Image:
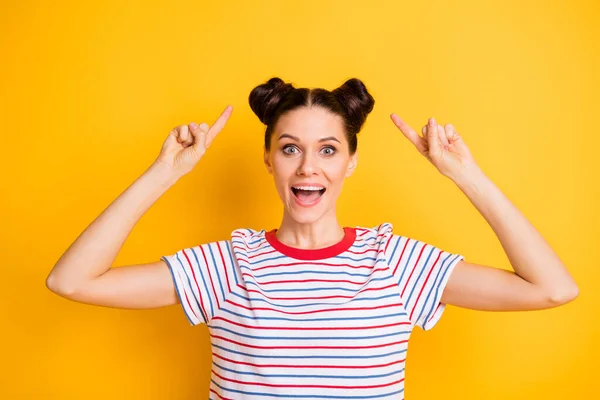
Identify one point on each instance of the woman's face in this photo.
(309, 160)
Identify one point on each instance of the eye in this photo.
(328, 151)
(290, 149)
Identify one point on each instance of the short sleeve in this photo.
(422, 272)
(202, 277)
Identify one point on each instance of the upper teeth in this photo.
(308, 187)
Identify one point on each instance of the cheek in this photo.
(283, 170)
(283, 166)
(336, 174)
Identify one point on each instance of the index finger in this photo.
(409, 132)
(219, 124)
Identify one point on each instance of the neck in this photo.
(326, 231)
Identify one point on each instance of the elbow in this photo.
(55, 285)
(565, 295)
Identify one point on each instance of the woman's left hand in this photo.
(441, 145)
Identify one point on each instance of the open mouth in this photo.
(308, 194)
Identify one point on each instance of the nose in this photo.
(308, 165)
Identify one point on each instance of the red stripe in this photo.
(190, 305)
(243, 344)
(224, 267)
(414, 267)
(266, 245)
(363, 231)
(305, 385)
(425, 283)
(322, 297)
(316, 311)
(401, 254)
(308, 263)
(262, 254)
(263, 243)
(388, 243)
(295, 366)
(318, 328)
(310, 280)
(215, 296)
(361, 252)
(218, 395)
(195, 281)
(435, 312)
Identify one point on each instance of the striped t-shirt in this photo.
(330, 323)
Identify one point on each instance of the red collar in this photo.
(313, 254)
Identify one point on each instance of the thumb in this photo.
(435, 146)
(199, 132)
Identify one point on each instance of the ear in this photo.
(352, 164)
(267, 161)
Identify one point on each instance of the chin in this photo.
(304, 217)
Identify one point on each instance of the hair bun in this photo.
(264, 99)
(357, 101)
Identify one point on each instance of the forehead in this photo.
(310, 123)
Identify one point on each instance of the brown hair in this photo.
(351, 101)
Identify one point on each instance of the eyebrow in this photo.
(287, 135)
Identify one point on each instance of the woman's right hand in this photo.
(186, 144)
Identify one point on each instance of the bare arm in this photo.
(540, 279)
(84, 274)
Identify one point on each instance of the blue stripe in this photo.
(309, 396)
(239, 242)
(329, 337)
(407, 263)
(328, 357)
(256, 241)
(209, 297)
(193, 294)
(381, 260)
(255, 318)
(253, 299)
(181, 299)
(437, 286)
(308, 376)
(258, 261)
(216, 269)
(312, 272)
(233, 263)
(435, 283)
(313, 289)
(358, 246)
(421, 272)
(395, 247)
(355, 259)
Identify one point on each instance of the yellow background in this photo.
(90, 91)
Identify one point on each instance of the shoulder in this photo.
(248, 238)
(247, 234)
(373, 237)
(381, 231)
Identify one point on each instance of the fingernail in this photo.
(193, 125)
(432, 121)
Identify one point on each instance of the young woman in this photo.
(312, 309)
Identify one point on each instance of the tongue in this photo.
(308, 195)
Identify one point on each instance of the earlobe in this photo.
(267, 162)
(350, 170)
(352, 165)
